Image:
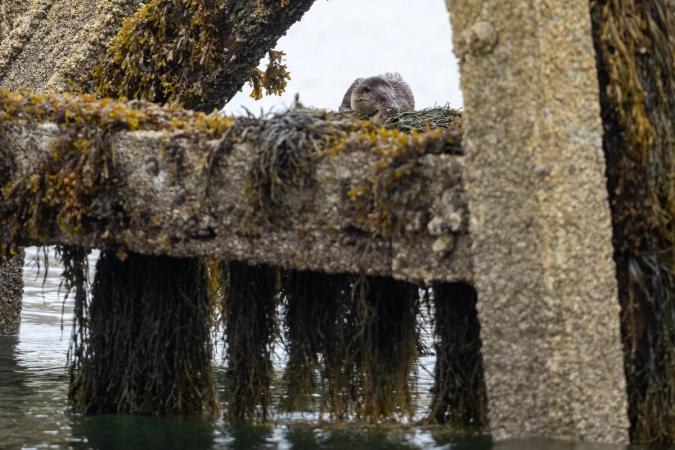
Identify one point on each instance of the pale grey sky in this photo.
(340, 40)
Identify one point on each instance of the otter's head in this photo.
(374, 96)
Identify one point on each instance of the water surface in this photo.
(34, 413)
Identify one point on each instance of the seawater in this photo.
(34, 411)
(333, 44)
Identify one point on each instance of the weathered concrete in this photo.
(52, 43)
(11, 290)
(162, 206)
(43, 46)
(9, 12)
(540, 222)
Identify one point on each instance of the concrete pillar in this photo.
(11, 290)
(70, 34)
(540, 220)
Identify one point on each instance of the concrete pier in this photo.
(538, 241)
(539, 220)
(11, 290)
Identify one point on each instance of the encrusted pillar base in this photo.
(540, 220)
(11, 290)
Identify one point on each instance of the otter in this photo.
(381, 96)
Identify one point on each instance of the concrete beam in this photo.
(160, 202)
(540, 221)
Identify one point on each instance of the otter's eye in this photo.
(366, 90)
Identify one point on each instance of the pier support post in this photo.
(540, 221)
(11, 290)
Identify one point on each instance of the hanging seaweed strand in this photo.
(143, 344)
(459, 395)
(250, 332)
(387, 346)
(635, 44)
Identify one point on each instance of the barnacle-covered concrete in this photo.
(48, 46)
(371, 200)
(540, 221)
(11, 290)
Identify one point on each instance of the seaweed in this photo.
(142, 344)
(71, 189)
(383, 201)
(635, 46)
(319, 324)
(291, 143)
(307, 300)
(191, 52)
(424, 119)
(250, 331)
(353, 339)
(386, 346)
(459, 395)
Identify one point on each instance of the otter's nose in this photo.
(394, 107)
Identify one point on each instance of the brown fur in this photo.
(381, 95)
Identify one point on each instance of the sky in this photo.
(340, 40)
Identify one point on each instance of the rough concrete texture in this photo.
(162, 207)
(9, 11)
(539, 220)
(11, 290)
(46, 44)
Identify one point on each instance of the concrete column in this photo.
(540, 220)
(42, 44)
(11, 290)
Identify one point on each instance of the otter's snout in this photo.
(392, 108)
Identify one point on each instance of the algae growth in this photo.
(360, 367)
(70, 190)
(191, 53)
(142, 345)
(635, 43)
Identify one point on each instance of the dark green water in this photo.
(33, 406)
